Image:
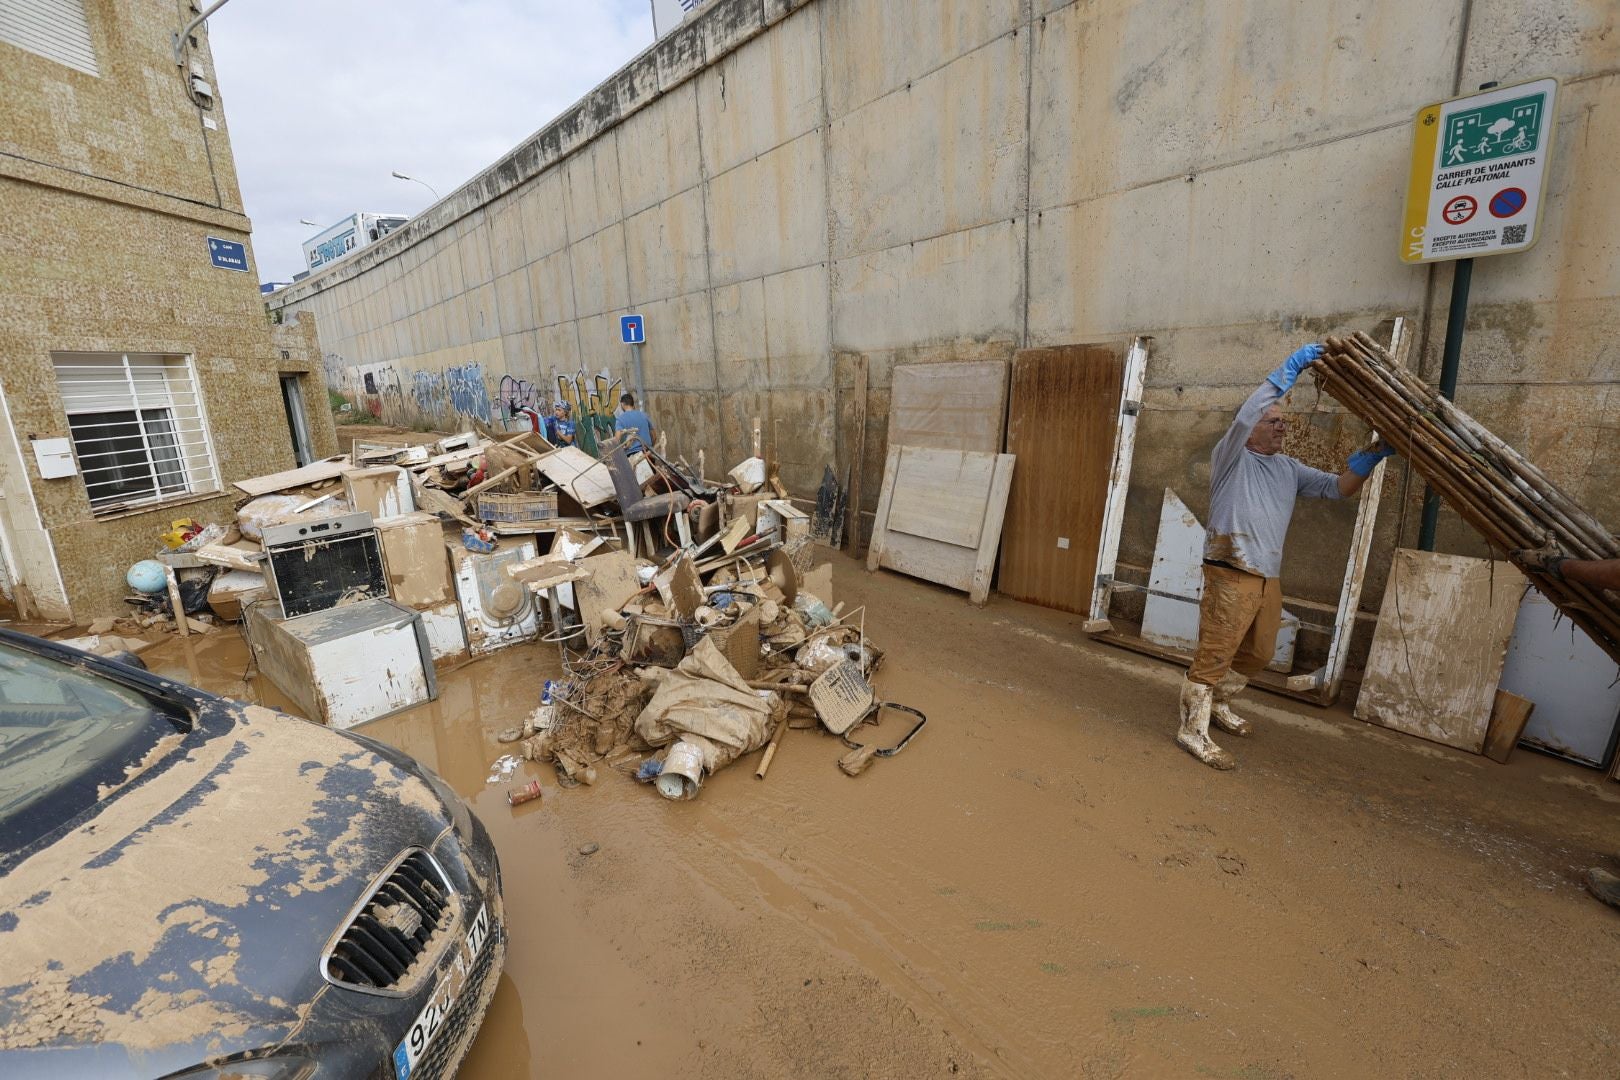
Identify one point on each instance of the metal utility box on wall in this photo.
(345, 665)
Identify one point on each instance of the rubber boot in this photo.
(1605, 886)
(1196, 699)
(1228, 688)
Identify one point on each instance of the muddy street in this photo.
(1042, 884)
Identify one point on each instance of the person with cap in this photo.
(1252, 489)
(561, 425)
(630, 418)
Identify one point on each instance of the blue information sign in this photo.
(227, 254)
(632, 330)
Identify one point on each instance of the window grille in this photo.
(55, 29)
(138, 427)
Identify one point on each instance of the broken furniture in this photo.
(345, 665)
(639, 509)
(1571, 681)
(939, 516)
(1493, 487)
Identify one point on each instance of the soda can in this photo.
(527, 793)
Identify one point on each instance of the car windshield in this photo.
(68, 738)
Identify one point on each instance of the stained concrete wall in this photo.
(778, 186)
(110, 186)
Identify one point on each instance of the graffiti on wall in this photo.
(469, 393)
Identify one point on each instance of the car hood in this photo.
(190, 908)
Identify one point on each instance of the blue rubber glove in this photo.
(1362, 462)
(1285, 377)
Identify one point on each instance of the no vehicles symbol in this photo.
(1508, 201)
(1460, 209)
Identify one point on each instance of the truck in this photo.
(350, 234)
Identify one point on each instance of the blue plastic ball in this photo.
(147, 577)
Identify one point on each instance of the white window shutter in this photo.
(56, 29)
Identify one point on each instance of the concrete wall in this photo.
(777, 186)
(110, 186)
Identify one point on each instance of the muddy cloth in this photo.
(705, 702)
(1251, 496)
(1238, 619)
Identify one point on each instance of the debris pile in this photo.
(1503, 496)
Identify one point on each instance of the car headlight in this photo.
(460, 816)
(280, 1067)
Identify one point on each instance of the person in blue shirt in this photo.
(562, 425)
(630, 418)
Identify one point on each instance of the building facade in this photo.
(138, 375)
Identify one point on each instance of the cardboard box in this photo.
(414, 559)
(381, 491)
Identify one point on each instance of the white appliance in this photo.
(1572, 681)
(495, 610)
(348, 664)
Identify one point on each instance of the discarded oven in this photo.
(495, 610)
(345, 665)
(319, 564)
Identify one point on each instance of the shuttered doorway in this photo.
(1063, 414)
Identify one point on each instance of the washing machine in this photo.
(495, 610)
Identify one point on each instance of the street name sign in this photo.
(227, 254)
(1477, 168)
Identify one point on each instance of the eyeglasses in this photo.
(1274, 422)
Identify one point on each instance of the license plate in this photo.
(451, 981)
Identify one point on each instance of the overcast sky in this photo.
(326, 99)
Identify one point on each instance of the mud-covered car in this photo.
(193, 887)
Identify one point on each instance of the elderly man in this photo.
(1252, 488)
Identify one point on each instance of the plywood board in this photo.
(1438, 651)
(414, 557)
(579, 474)
(940, 495)
(1062, 429)
(329, 469)
(612, 582)
(978, 496)
(961, 405)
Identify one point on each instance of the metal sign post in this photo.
(633, 332)
(1474, 189)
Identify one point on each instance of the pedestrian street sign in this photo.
(1476, 174)
(227, 254)
(632, 329)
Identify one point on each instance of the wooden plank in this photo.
(1063, 431)
(1265, 680)
(995, 511)
(852, 435)
(1119, 482)
(1509, 714)
(583, 477)
(330, 469)
(959, 405)
(612, 582)
(940, 494)
(1438, 651)
(931, 560)
(880, 524)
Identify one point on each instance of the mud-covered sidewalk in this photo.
(1041, 885)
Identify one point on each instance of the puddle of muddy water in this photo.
(1039, 885)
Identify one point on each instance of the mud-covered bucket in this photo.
(682, 774)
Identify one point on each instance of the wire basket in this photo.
(517, 508)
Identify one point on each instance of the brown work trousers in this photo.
(1238, 620)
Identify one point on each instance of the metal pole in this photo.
(181, 38)
(635, 366)
(1451, 359)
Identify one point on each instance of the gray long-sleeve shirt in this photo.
(1251, 496)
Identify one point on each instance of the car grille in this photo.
(455, 1038)
(393, 927)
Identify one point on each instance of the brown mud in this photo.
(1041, 885)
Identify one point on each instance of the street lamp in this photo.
(414, 180)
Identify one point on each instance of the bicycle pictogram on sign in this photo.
(1460, 209)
